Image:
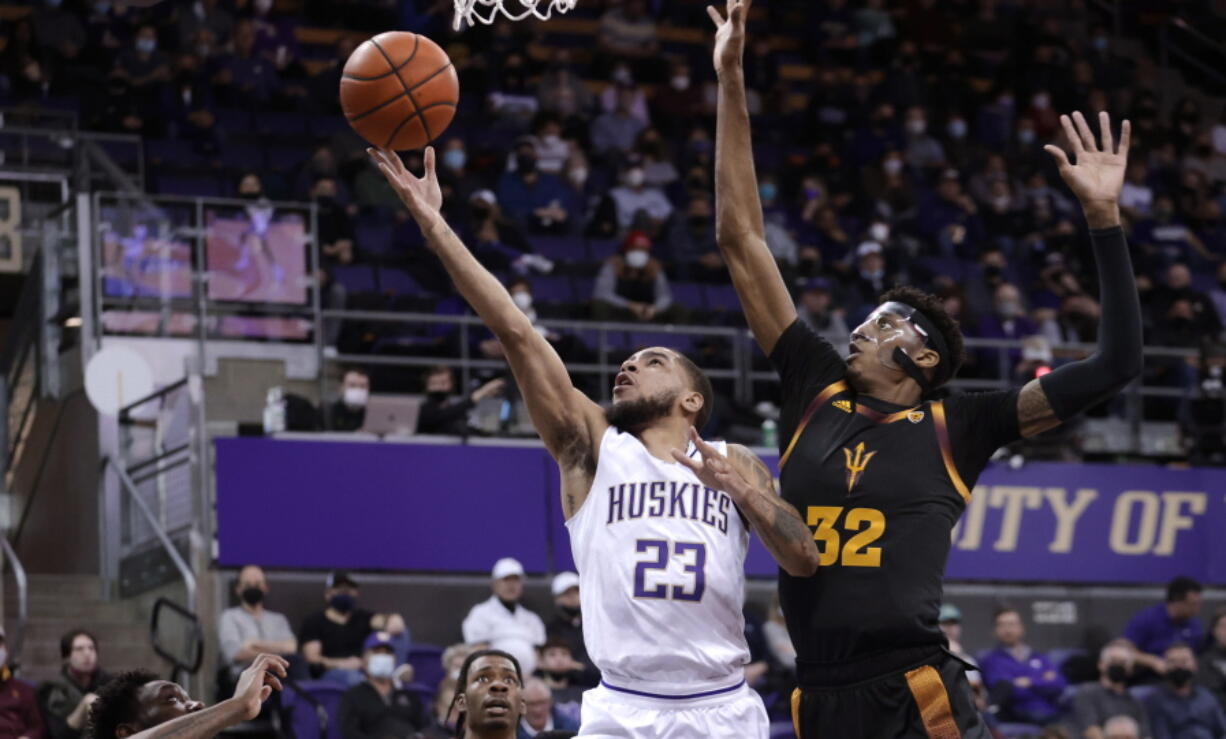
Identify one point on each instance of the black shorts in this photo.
(929, 698)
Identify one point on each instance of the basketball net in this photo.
(487, 11)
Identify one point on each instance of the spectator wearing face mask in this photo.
(870, 280)
(19, 716)
(249, 629)
(65, 701)
(613, 133)
(1180, 708)
(537, 200)
(1007, 320)
(348, 412)
(675, 107)
(815, 307)
(502, 621)
(446, 412)
(560, 671)
(1095, 703)
(632, 285)
(333, 639)
(566, 625)
(924, 152)
(143, 67)
(205, 15)
(638, 204)
(334, 223)
(377, 706)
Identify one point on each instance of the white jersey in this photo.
(661, 562)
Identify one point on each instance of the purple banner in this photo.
(459, 508)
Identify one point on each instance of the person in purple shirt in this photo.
(1022, 682)
(1157, 627)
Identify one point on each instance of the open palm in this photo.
(730, 34)
(1098, 174)
(421, 195)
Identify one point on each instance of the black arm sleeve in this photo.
(806, 363)
(979, 424)
(1075, 387)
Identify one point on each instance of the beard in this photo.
(633, 416)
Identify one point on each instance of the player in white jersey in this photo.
(659, 534)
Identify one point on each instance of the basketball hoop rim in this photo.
(469, 11)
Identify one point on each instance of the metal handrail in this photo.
(36, 485)
(23, 597)
(189, 580)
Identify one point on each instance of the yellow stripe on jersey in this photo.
(826, 394)
(938, 417)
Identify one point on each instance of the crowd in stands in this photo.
(898, 141)
(1163, 677)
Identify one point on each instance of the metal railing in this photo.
(129, 488)
(18, 633)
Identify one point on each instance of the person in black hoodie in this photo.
(446, 412)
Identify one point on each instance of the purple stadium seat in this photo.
(287, 158)
(583, 289)
(782, 730)
(1018, 730)
(356, 278)
(398, 282)
(304, 719)
(602, 249)
(122, 153)
(186, 184)
(643, 339)
(427, 661)
(722, 297)
(688, 294)
(281, 125)
(234, 121)
(242, 155)
(373, 238)
(171, 153)
(560, 247)
(553, 289)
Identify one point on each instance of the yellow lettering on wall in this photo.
(1012, 498)
(1175, 520)
(1066, 514)
(1142, 505)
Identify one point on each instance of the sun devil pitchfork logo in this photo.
(856, 462)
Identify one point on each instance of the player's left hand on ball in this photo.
(421, 195)
(714, 470)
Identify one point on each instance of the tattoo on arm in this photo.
(1034, 412)
(776, 522)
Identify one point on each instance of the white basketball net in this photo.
(487, 11)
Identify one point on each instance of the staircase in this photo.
(60, 603)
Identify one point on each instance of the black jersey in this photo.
(882, 487)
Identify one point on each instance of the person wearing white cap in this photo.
(567, 626)
(502, 621)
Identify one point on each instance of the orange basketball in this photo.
(399, 90)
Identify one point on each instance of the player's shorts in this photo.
(736, 713)
(929, 697)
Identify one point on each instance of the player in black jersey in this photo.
(881, 468)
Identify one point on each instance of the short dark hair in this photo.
(462, 681)
(1179, 588)
(556, 642)
(1002, 610)
(67, 639)
(932, 307)
(118, 703)
(700, 383)
(438, 369)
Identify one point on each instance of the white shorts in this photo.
(736, 714)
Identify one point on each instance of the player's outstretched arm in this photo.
(567, 420)
(751, 486)
(255, 685)
(739, 227)
(1096, 178)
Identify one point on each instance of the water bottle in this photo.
(274, 411)
(770, 433)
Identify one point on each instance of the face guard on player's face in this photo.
(493, 696)
(897, 334)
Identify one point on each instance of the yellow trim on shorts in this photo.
(933, 702)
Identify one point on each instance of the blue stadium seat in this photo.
(560, 247)
(689, 295)
(722, 297)
(1059, 656)
(303, 718)
(173, 154)
(281, 125)
(427, 661)
(1019, 730)
(1142, 692)
(373, 238)
(398, 282)
(602, 249)
(783, 730)
(235, 121)
(242, 155)
(356, 278)
(642, 339)
(324, 126)
(553, 289)
(188, 184)
(287, 158)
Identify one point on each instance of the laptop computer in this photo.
(392, 415)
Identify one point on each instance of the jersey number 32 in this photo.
(862, 526)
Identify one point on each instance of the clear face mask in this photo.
(890, 327)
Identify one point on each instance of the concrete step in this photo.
(106, 632)
(57, 606)
(82, 586)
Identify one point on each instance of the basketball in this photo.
(399, 90)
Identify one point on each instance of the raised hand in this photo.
(730, 34)
(258, 681)
(421, 195)
(1098, 174)
(714, 471)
